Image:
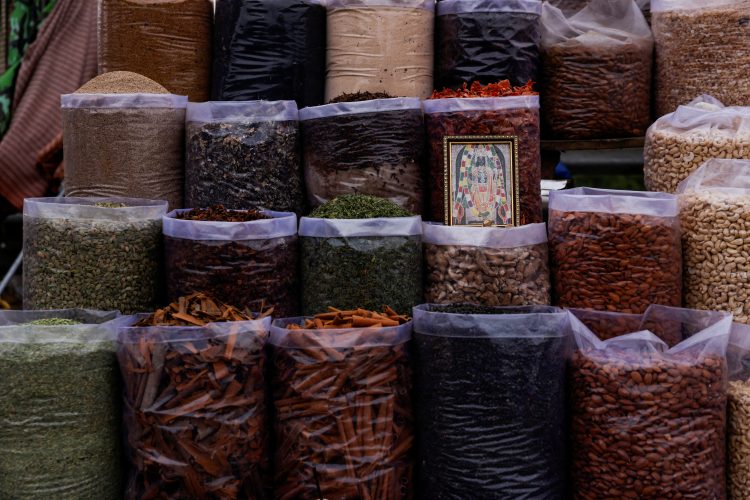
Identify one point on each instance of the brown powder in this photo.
(121, 82)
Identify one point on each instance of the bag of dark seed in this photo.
(372, 147)
(244, 155)
(490, 386)
(245, 264)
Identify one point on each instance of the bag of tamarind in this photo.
(649, 418)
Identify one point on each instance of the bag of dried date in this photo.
(374, 147)
(639, 406)
(615, 250)
(487, 266)
(246, 258)
(478, 431)
(596, 71)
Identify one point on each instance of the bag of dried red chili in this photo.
(492, 172)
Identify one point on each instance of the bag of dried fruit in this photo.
(487, 266)
(680, 142)
(490, 399)
(596, 71)
(738, 440)
(373, 147)
(639, 406)
(195, 402)
(615, 250)
(342, 397)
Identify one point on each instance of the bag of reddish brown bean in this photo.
(614, 250)
(649, 421)
(608, 325)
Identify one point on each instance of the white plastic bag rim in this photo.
(401, 4)
(362, 107)
(614, 201)
(435, 233)
(342, 338)
(697, 181)
(447, 7)
(241, 111)
(675, 5)
(181, 334)
(123, 101)
(83, 208)
(454, 104)
(14, 330)
(281, 225)
(312, 227)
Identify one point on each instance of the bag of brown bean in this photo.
(596, 71)
(649, 421)
(608, 325)
(487, 266)
(615, 250)
(739, 413)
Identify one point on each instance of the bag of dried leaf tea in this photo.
(95, 253)
(244, 154)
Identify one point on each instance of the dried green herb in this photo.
(109, 204)
(53, 322)
(359, 206)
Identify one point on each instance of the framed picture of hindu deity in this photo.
(481, 181)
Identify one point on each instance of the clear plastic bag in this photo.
(649, 419)
(738, 439)
(597, 71)
(490, 392)
(614, 250)
(82, 252)
(125, 145)
(195, 410)
(373, 147)
(244, 264)
(487, 41)
(344, 424)
(270, 49)
(487, 266)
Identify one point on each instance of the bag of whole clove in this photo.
(490, 400)
(244, 155)
(60, 435)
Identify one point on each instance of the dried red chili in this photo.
(499, 89)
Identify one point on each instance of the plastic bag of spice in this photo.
(372, 147)
(243, 155)
(596, 71)
(344, 425)
(490, 386)
(614, 250)
(486, 41)
(60, 408)
(167, 41)
(380, 46)
(247, 259)
(96, 253)
(270, 49)
(738, 428)
(487, 266)
(647, 418)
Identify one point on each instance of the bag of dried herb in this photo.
(488, 266)
(243, 155)
(195, 402)
(342, 394)
(270, 49)
(124, 136)
(490, 386)
(373, 147)
(60, 432)
(95, 253)
(245, 258)
(361, 251)
(486, 41)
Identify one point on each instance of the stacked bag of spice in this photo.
(168, 41)
(195, 402)
(60, 435)
(93, 253)
(373, 147)
(680, 142)
(597, 71)
(342, 398)
(243, 155)
(124, 136)
(496, 177)
(380, 46)
(490, 386)
(270, 49)
(487, 266)
(361, 251)
(486, 41)
(245, 257)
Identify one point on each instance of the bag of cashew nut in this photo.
(647, 418)
(596, 68)
(738, 439)
(680, 142)
(715, 219)
(487, 266)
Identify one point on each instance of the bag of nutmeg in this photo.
(648, 418)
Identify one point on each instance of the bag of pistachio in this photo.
(96, 253)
